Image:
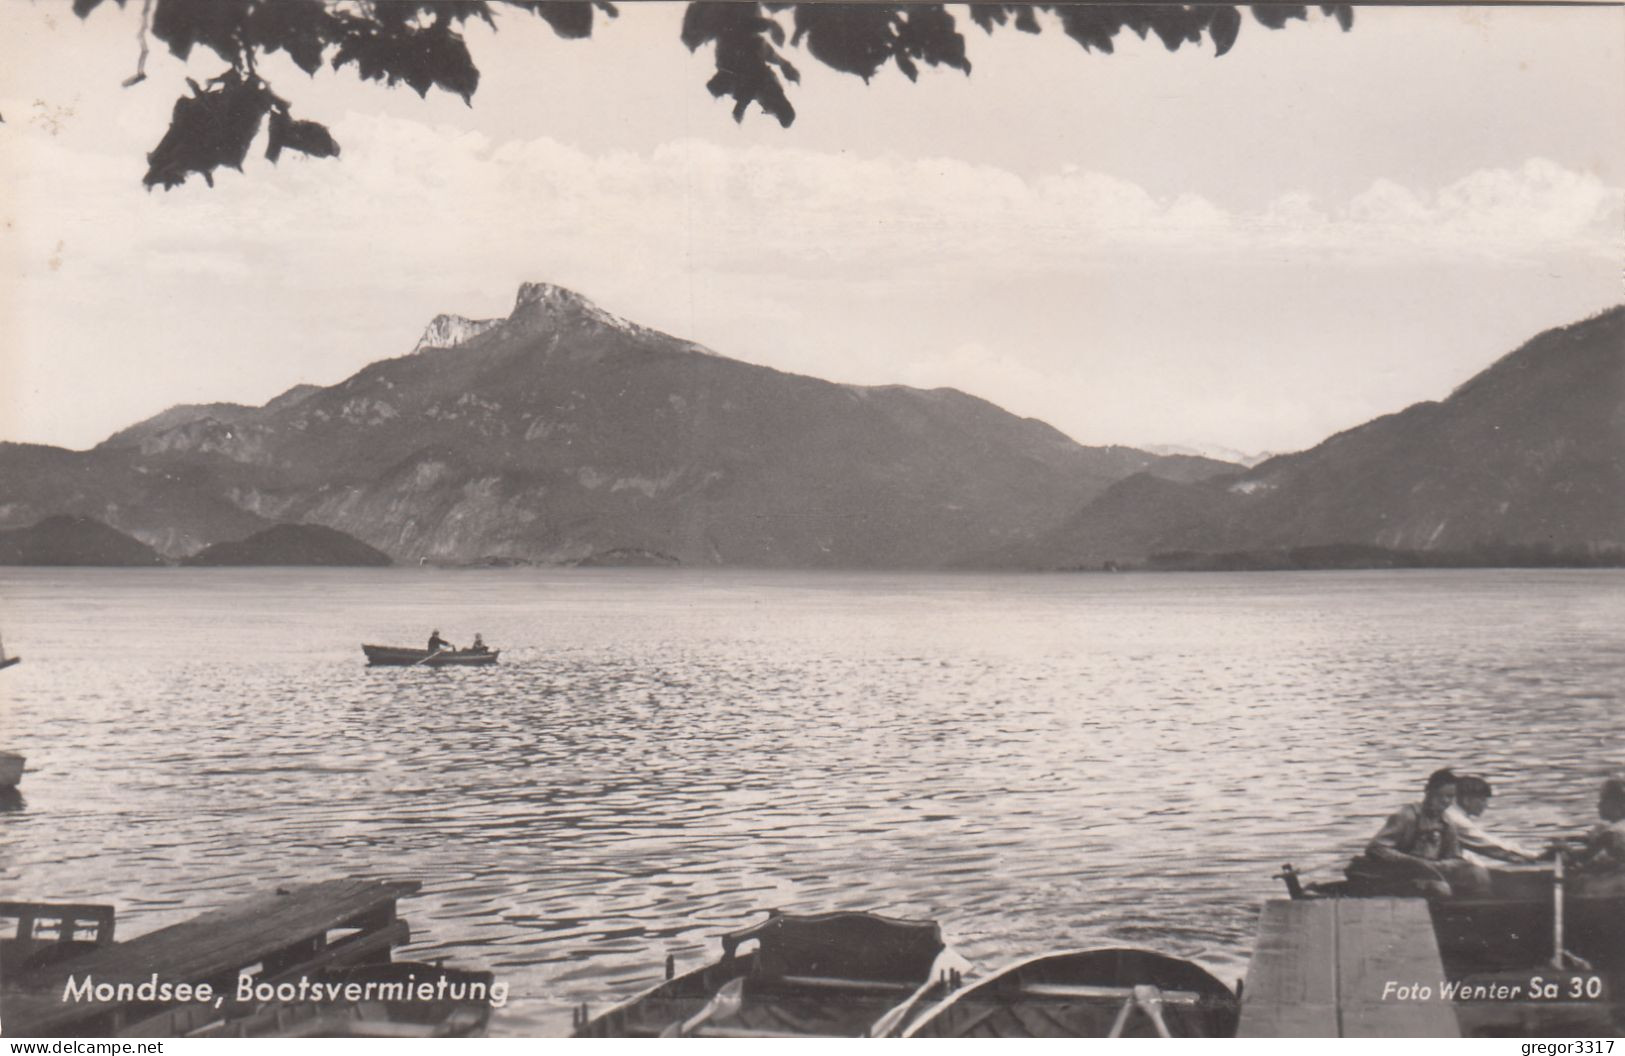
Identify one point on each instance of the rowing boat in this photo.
(400, 656)
(1097, 993)
(838, 974)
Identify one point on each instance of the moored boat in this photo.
(1517, 924)
(840, 974)
(11, 764)
(384, 1000)
(1540, 956)
(401, 656)
(11, 769)
(1097, 993)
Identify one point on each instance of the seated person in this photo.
(479, 645)
(437, 643)
(1478, 845)
(1417, 852)
(1599, 860)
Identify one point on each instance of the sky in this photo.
(1243, 253)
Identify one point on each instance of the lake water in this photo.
(1036, 762)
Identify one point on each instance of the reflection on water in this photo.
(1034, 761)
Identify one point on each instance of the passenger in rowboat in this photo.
(1418, 851)
(1600, 858)
(479, 645)
(1478, 845)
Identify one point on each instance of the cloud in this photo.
(1539, 208)
(438, 202)
(756, 207)
(865, 268)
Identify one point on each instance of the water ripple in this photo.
(1034, 761)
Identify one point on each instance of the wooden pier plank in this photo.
(1390, 940)
(1291, 987)
(208, 946)
(1321, 967)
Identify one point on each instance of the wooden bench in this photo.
(51, 930)
(1346, 968)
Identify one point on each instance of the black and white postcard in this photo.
(527, 518)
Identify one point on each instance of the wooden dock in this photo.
(1346, 968)
(276, 936)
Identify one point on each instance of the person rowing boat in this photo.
(1478, 844)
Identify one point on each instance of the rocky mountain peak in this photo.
(551, 297)
(449, 331)
(542, 303)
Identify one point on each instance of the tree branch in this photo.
(141, 63)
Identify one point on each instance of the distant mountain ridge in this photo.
(1528, 453)
(292, 544)
(66, 540)
(564, 433)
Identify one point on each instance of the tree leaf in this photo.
(745, 55)
(208, 130)
(852, 38)
(215, 24)
(570, 19)
(1176, 25)
(302, 28)
(83, 8)
(1344, 13)
(1093, 27)
(394, 50)
(307, 137)
(1224, 27)
(929, 32)
(1276, 16)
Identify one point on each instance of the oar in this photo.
(726, 1003)
(426, 659)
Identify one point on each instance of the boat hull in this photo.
(399, 656)
(836, 975)
(1082, 994)
(458, 1006)
(11, 769)
(1513, 927)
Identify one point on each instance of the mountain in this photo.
(1214, 452)
(1529, 454)
(67, 540)
(175, 504)
(292, 544)
(564, 433)
(222, 415)
(449, 331)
